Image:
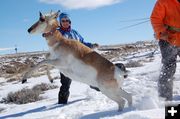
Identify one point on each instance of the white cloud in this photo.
(79, 4)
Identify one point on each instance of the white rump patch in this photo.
(119, 76)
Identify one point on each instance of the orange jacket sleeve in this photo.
(157, 18)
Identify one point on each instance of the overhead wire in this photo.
(126, 27)
(132, 20)
(143, 20)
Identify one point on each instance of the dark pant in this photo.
(64, 89)
(66, 82)
(169, 55)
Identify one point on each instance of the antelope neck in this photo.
(54, 38)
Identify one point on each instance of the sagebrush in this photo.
(25, 95)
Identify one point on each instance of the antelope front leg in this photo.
(49, 74)
(45, 62)
(48, 68)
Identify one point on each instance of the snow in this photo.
(86, 103)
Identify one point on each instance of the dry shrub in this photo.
(132, 63)
(27, 95)
(12, 79)
(22, 97)
(43, 87)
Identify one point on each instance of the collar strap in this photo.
(50, 33)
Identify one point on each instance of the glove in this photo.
(164, 36)
(95, 45)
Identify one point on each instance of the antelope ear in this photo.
(57, 14)
(40, 14)
(58, 11)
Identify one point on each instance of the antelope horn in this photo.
(40, 14)
(57, 13)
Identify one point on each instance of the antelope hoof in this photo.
(51, 81)
(24, 80)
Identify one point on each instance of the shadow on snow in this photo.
(40, 109)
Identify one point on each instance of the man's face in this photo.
(65, 23)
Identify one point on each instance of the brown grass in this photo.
(132, 63)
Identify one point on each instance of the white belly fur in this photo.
(53, 55)
(77, 70)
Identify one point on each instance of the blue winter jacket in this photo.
(73, 34)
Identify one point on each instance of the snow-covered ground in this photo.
(86, 103)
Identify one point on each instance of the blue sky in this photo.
(96, 20)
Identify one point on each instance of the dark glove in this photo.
(95, 45)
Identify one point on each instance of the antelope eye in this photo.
(41, 19)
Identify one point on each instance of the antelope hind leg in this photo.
(118, 95)
(121, 96)
(126, 95)
(113, 94)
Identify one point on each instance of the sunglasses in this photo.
(64, 20)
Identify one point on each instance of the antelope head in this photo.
(45, 23)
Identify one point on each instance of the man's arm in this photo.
(157, 17)
(90, 45)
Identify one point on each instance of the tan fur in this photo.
(104, 67)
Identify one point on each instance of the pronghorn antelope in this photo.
(79, 62)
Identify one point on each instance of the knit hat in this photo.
(64, 15)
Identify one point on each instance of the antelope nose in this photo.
(29, 30)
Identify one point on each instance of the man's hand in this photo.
(164, 35)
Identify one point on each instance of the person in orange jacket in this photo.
(165, 19)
